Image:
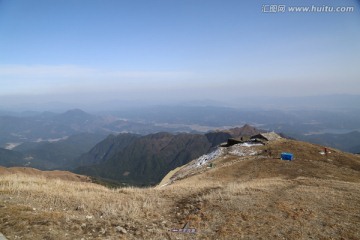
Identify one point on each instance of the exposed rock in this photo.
(80, 208)
(2, 237)
(121, 230)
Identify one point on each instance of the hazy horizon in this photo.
(157, 52)
(332, 103)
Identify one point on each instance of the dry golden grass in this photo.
(64, 175)
(81, 209)
(258, 197)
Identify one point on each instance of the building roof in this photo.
(269, 136)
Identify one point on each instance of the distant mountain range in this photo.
(31, 126)
(47, 126)
(123, 146)
(349, 142)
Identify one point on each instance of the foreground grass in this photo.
(302, 208)
(73, 210)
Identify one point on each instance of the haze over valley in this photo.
(93, 144)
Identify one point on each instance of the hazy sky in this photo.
(176, 49)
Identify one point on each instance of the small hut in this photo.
(264, 137)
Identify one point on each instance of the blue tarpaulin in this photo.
(287, 156)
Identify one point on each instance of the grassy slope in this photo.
(259, 197)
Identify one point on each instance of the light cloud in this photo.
(46, 71)
(69, 78)
(87, 81)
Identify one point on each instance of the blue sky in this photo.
(175, 49)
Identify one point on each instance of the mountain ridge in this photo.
(146, 159)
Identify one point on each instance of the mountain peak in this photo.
(76, 111)
(246, 130)
(76, 114)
